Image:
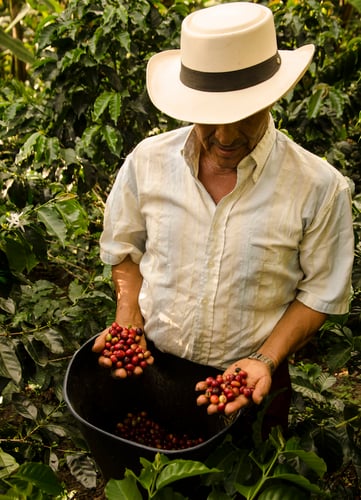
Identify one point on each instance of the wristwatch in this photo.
(265, 359)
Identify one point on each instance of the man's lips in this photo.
(228, 150)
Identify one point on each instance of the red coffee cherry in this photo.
(223, 389)
(123, 349)
(140, 428)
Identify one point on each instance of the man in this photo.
(230, 244)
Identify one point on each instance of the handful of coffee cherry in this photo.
(123, 349)
(222, 389)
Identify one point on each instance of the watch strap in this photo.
(265, 359)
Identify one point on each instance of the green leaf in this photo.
(52, 339)
(45, 31)
(283, 492)
(337, 101)
(7, 305)
(41, 476)
(16, 47)
(54, 224)
(315, 103)
(83, 469)
(311, 459)
(101, 104)
(338, 356)
(246, 491)
(19, 253)
(308, 393)
(8, 464)
(181, 469)
(69, 156)
(58, 430)
(73, 215)
(25, 407)
(326, 381)
(28, 147)
(124, 488)
(115, 103)
(10, 366)
(112, 137)
(357, 344)
(299, 480)
(72, 57)
(36, 351)
(49, 150)
(88, 136)
(124, 40)
(75, 291)
(356, 4)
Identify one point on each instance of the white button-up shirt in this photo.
(218, 277)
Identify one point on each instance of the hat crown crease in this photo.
(225, 38)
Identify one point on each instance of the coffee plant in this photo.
(271, 472)
(72, 105)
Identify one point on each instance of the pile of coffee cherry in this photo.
(124, 351)
(222, 389)
(140, 428)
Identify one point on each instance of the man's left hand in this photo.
(258, 378)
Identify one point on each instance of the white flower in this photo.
(14, 220)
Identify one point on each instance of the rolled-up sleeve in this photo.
(326, 257)
(124, 231)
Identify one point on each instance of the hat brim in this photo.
(170, 96)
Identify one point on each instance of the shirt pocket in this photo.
(271, 281)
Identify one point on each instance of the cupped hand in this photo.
(258, 379)
(105, 362)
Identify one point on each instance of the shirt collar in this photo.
(257, 157)
(263, 149)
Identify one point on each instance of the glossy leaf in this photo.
(101, 104)
(41, 476)
(115, 103)
(54, 223)
(124, 488)
(83, 469)
(51, 338)
(315, 103)
(19, 253)
(283, 492)
(27, 148)
(36, 351)
(112, 138)
(10, 366)
(16, 47)
(25, 407)
(299, 480)
(181, 469)
(8, 464)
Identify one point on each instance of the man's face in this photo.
(226, 145)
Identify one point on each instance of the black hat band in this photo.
(230, 80)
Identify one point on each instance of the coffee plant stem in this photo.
(345, 422)
(266, 474)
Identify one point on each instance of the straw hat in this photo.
(228, 66)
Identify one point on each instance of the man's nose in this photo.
(227, 134)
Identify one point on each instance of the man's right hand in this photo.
(99, 346)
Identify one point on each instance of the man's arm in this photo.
(294, 330)
(127, 282)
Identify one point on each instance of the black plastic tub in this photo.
(165, 391)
